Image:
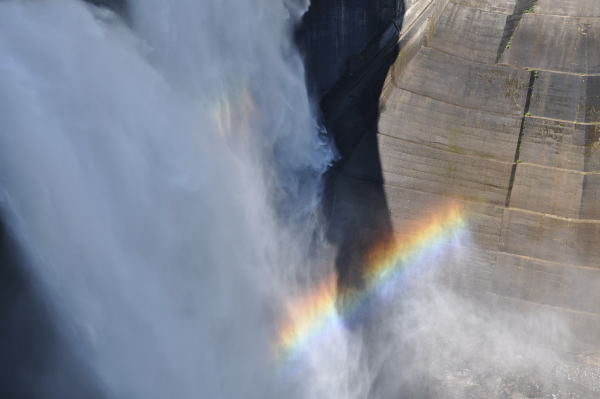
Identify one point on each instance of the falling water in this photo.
(150, 170)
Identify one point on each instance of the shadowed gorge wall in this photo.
(333, 33)
(349, 47)
(494, 104)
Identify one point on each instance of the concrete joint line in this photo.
(515, 67)
(573, 171)
(441, 148)
(454, 104)
(555, 217)
(546, 118)
(548, 262)
(544, 305)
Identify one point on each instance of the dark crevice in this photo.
(532, 78)
(512, 23)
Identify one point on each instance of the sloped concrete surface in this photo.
(449, 127)
(469, 32)
(562, 145)
(565, 44)
(497, 6)
(566, 97)
(580, 8)
(452, 79)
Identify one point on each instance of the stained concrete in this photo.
(561, 44)
(566, 97)
(551, 238)
(449, 127)
(454, 80)
(562, 145)
(529, 190)
(497, 6)
(469, 32)
(580, 8)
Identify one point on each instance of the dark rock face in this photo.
(349, 46)
(334, 31)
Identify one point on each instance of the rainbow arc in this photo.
(313, 314)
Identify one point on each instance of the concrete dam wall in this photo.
(496, 105)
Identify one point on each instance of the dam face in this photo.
(494, 105)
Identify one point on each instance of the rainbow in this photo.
(314, 314)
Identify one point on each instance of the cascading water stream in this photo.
(149, 172)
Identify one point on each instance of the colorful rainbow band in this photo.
(315, 313)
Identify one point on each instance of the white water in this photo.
(149, 172)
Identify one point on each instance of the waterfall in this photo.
(162, 177)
